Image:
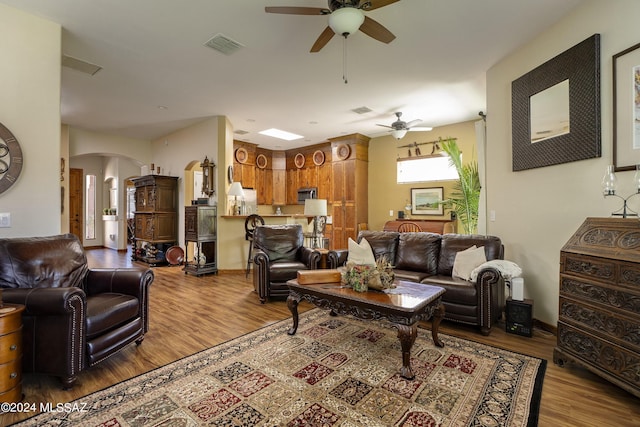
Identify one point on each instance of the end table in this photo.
(11, 352)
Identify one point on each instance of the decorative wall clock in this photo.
(10, 159)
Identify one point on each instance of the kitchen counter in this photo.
(295, 216)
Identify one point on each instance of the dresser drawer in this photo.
(605, 295)
(11, 321)
(616, 362)
(600, 269)
(623, 330)
(10, 375)
(10, 346)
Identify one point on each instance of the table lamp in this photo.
(236, 190)
(315, 208)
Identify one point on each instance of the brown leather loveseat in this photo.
(429, 258)
(75, 316)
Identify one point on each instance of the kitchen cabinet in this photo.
(279, 190)
(349, 187)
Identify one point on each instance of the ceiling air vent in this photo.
(223, 44)
(240, 132)
(80, 65)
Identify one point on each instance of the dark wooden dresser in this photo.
(599, 310)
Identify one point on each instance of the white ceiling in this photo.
(153, 54)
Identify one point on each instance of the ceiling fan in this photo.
(400, 128)
(345, 17)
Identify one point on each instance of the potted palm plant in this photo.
(465, 197)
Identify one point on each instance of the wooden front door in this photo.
(75, 202)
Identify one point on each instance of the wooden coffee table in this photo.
(403, 306)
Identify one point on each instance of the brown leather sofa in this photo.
(429, 258)
(278, 255)
(75, 316)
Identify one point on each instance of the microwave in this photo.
(307, 193)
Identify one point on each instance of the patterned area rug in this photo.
(336, 371)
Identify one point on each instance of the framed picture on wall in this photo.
(626, 109)
(427, 201)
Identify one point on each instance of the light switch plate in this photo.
(5, 220)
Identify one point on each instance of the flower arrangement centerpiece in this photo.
(362, 277)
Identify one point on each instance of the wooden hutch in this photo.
(155, 217)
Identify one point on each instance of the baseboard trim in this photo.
(545, 326)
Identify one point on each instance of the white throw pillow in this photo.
(466, 261)
(360, 253)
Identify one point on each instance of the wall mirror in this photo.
(550, 112)
(556, 109)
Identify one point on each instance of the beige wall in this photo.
(30, 109)
(538, 210)
(385, 194)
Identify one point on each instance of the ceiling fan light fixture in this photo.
(398, 133)
(346, 20)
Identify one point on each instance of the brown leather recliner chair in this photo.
(75, 317)
(278, 255)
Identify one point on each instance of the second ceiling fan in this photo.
(399, 128)
(345, 18)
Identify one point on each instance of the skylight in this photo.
(280, 134)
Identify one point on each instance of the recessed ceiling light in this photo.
(277, 133)
(162, 107)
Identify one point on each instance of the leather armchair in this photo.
(74, 316)
(278, 255)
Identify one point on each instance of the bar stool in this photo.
(250, 225)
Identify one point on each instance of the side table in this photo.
(11, 352)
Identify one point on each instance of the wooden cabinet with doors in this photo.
(244, 163)
(324, 173)
(349, 194)
(200, 237)
(292, 186)
(279, 187)
(155, 217)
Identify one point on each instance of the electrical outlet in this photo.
(391, 213)
(5, 220)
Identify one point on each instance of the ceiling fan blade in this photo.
(420, 129)
(376, 30)
(291, 10)
(384, 126)
(413, 122)
(322, 40)
(377, 4)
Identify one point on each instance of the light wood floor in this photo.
(190, 314)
